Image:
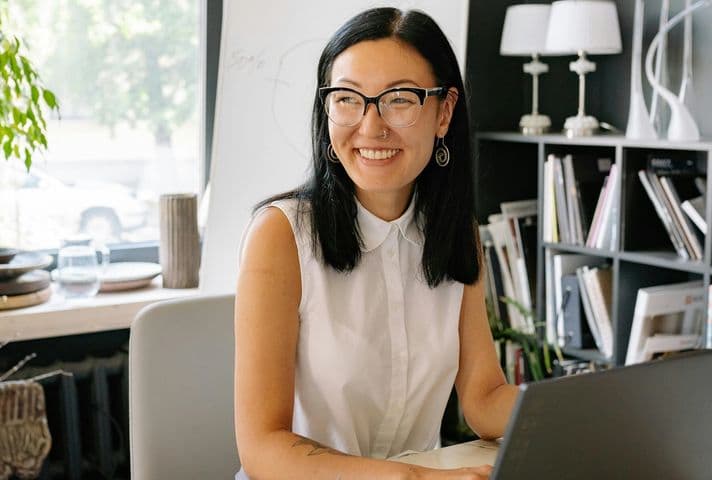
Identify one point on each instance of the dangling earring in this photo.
(442, 154)
(332, 154)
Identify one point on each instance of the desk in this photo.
(470, 454)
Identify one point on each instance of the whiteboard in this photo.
(266, 81)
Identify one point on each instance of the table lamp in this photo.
(583, 27)
(524, 34)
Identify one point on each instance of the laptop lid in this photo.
(652, 420)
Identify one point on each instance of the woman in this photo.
(359, 298)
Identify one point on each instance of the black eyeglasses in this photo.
(398, 107)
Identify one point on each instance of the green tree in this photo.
(132, 61)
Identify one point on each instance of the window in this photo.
(128, 78)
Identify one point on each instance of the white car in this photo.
(39, 210)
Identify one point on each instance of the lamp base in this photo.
(534, 124)
(580, 126)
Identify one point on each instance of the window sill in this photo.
(105, 311)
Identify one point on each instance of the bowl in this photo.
(7, 254)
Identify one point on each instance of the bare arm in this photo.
(486, 399)
(266, 330)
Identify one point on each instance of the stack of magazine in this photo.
(578, 301)
(667, 318)
(572, 186)
(509, 245)
(510, 255)
(665, 181)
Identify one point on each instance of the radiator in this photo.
(87, 415)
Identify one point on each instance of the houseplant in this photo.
(23, 129)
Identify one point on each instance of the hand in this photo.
(481, 472)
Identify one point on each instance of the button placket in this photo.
(399, 346)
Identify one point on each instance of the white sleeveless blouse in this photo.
(378, 349)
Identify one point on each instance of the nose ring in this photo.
(384, 133)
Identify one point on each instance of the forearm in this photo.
(283, 454)
(493, 412)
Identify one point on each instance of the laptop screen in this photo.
(652, 420)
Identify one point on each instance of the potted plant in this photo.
(23, 129)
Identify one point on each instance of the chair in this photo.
(181, 390)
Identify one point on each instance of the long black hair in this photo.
(444, 197)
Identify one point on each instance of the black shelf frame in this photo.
(633, 268)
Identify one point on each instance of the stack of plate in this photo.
(23, 282)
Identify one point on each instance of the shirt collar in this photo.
(375, 230)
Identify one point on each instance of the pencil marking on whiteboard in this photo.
(241, 60)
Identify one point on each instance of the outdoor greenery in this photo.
(23, 128)
(119, 61)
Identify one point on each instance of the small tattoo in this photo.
(316, 447)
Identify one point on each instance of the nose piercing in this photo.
(384, 133)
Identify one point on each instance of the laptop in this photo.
(652, 420)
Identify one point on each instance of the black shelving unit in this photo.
(510, 166)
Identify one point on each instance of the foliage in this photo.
(23, 128)
(537, 352)
(120, 61)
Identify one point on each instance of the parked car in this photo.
(38, 210)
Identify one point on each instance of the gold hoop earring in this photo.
(331, 154)
(442, 153)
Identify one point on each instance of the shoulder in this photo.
(269, 239)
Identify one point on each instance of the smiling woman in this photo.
(359, 301)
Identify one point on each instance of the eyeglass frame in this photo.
(423, 94)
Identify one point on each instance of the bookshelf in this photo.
(510, 167)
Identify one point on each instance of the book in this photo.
(599, 283)
(578, 333)
(692, 243)
(675, 164)
(695, 210)
(549, 223)
(677, 309)
(560, 198)
(573, 201)
(649, 181)
(562, 264)
(498, 229)
(520, 217)
(607, 234)
(598, 214)
(588, 309)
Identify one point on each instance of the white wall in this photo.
(266, 81)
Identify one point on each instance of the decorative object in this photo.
(24, 131)
(640, 126)
(24, 433)
(658, 112)
(682, 125)
(687, 92)
(524, 34)
(179, 249)
(583, 27)
(128, 276)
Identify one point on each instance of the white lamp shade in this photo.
(583, 25)
(524, 31)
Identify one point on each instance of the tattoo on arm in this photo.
(316, 448)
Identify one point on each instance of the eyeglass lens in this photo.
(398, 108)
